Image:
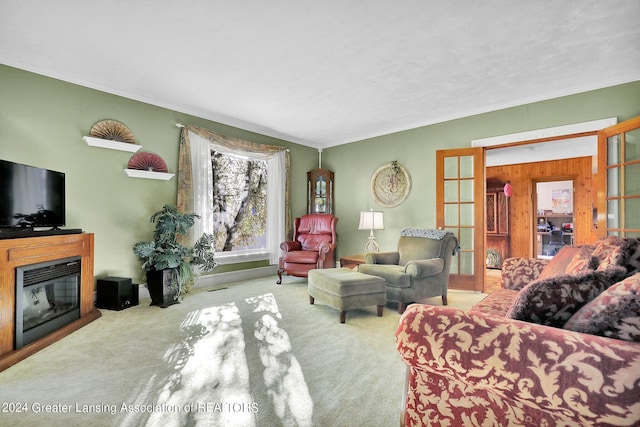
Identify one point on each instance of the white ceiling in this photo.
(324, 73)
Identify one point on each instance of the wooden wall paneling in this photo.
(521, 202)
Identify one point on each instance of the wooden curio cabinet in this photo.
(497, 213)
(497, 227)
(320, 196)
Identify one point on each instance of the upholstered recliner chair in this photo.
(313, 246)
(418, 269)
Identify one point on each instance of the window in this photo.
(240, 191)
(239, 203)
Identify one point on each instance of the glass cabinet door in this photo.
(320, 194)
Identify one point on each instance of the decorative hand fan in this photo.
(112, 130)
(145, 161)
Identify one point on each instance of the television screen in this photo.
(31, 196)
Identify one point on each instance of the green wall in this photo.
(355, 163)
(42, 121)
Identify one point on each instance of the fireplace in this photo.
(47, 298)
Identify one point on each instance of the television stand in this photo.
(16, 233)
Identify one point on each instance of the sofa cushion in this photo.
(497, 303)
(301, 257)
(582, 261)
(560, 261)
(518, 272)
(394, 275)
(615, 313)
(554, 300)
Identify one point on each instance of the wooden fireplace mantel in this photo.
(33, 250)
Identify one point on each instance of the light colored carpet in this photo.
(249, 354)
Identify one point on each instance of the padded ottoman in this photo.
(345, 289)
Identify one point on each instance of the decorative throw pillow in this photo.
(554, 300)
(560, 261)
(614, 250)
(582, 261)
(615, 313)
(626, 254)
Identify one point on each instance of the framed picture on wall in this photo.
(561, 199)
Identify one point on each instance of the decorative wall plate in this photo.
(145, 161)
(390, 185)
(112, 130)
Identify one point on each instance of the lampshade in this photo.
(371, 220)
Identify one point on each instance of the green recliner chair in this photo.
(419, 269)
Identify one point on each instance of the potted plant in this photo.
(167, 262)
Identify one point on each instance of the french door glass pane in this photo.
(466, 215)
(613, 182)
(466, 262)
(466, 239)
(613, 150)
(466, 190)
(455, 264)
(466, 167)
(613, 216)
(631, 181)
(450, 167)
(632, 145)
(450, 191)
(631, 217)
(451, 215)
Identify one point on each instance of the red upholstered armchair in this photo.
(313, 245)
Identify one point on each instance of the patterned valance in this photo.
(235, 144)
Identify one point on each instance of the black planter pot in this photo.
(160, 290)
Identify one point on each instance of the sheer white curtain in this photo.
(203, 188)
(202, 178)
(276, 184)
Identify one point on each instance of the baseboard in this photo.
(220, 279)
(236, 276)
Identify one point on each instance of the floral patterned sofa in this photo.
(558, 345)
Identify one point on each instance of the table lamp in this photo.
(371, 220)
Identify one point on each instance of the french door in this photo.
(618, 187)
(460, 191)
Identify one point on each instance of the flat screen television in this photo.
(31, 197)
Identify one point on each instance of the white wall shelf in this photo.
(134, 173)
(113, 145)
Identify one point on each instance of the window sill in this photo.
(225, 259)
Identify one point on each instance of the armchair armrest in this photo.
(424, 267)
(325, 251)
(514, 371)
(391, 258)
(325, 248)
(290, 246)
(518, 272)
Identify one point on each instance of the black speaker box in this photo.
(116, 293)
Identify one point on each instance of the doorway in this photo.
(554, 225)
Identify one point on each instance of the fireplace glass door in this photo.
(47, 298)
